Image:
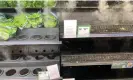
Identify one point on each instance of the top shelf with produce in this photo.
(14, 19)
(61, 4)
(10, 24)
(28, 3)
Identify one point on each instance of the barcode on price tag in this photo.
(84, 31)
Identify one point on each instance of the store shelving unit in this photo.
(91, 58)
(107, 44)
(84, 12)
(110, 31)
(39, 36)
(33, 48)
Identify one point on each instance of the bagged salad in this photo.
(34, 19)
(50, 3)
(8, 3)
(50, 20)
(11, 3)
(7, 28)
(32, 3)
(38, 3)
(20, 21)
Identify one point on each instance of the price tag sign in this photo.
(119, 65)
(43, 75)
(84, 31)
(70, 28)
(53, 72)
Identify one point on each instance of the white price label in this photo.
(69, 79)
(43, 75)
(122, 64)
(53, 71)
(70, 28)
(83, 31)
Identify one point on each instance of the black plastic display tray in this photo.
(35, 36)
(25, 67)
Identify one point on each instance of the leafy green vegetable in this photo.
(38, 4)
(20, 21)
(50, 21)
(8, 3)
(4, 35)
(32, 4)
(7, 28)
(51, 3)
(10, 24)
(28, 3)
(12, 3)
(13, 31)
(34, 19)
(6, 22)
(3, 4)
(50, 24)
(27, 20)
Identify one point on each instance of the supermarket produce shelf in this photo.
(29, 61)
(121, 34)
(14, 10)
(25, 68)
(115, 34)
(97, 35)
(35, 36)
(28, 42)
(111, 31)
(22, 73)
(95, 59)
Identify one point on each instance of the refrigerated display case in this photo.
(31, 33)
(34, 43)
(108, 41)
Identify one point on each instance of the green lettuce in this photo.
(20, 21)
(34, 19)
(50, 21)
